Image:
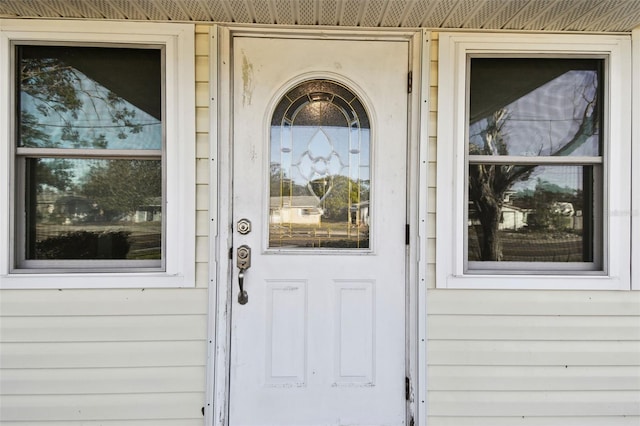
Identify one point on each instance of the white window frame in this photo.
(454, 49)
(179, 153)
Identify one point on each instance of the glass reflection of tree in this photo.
(488, 183)
(72, 101)
(56, 88)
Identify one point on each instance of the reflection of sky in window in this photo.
(336, 150)
(547, 118)
(563, 176)
(94, 119)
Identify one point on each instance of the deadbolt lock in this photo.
(244, 226)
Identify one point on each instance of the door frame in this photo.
(220, 205)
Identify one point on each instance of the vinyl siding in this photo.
(203, 193)
(113, 357)
(85, 355)
(531, 358)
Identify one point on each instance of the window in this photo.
(534, 153)
(536, 129)
(319, 163)
(98, 155)
(89, 143)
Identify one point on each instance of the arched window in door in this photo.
(319, 168)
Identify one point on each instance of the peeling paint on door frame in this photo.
(247, 80)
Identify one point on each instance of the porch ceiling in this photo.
(545, 15)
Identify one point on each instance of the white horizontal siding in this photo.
(533, 358)
(530, 327)
(506, 352)
(91, 355)
(103, 328)
(535, 421)
(102, 354)
(537, 303)
(102, 407)
(106, 380)
(531, 404)
(23, 303)
(534, 378)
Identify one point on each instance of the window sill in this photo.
(95, 280)
(528, 282)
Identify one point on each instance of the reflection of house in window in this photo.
(300, 209)
(71, 209)
(150, 211)
(513, 218)
(360, 214)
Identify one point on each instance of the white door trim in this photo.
(220, 206)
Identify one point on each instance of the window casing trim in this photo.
(179, 154)
(454, 50)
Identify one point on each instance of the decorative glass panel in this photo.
(319, 169)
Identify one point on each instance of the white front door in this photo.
(319, 174)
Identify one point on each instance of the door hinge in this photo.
(406, 234)
(407, 388)
(410, 82)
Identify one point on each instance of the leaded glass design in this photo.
(319, 169)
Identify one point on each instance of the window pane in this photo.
(93, 209)
(319, 183)
(89, 97)
(546, 215)
(535, 107)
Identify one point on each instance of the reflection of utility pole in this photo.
(324, 195)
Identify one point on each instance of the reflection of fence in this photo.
(555, 221)
(333, 235)
(536, 246)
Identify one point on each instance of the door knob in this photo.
(243, 261)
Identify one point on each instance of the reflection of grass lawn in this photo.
(535, 246)
(327, 234)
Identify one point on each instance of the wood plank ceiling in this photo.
(532, 15)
